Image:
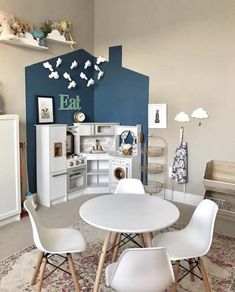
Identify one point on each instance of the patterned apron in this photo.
(180, 163)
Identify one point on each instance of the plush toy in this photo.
(39, 37)
(18, 29)
(6, 21)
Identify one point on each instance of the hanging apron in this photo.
(180, 163)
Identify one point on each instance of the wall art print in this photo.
(45, 109)
(157, 116)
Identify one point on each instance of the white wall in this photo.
(187, 48)
(14, 59)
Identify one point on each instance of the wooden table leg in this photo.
(148, 239)
(116, 248)
(101, 262)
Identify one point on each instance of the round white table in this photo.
(127, 213)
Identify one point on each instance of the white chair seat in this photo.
(109, 272)
(180, 244)
(141, 270)
(63, 240)
(192, 242)
(52, 241)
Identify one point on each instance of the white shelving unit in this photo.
(97, 173)
(10, 206)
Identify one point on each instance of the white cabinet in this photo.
(10, 205)
(51, 164)
(97, 173)
(96, 129)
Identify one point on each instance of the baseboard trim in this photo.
(185, 198)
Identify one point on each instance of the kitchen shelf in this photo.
(98, 172)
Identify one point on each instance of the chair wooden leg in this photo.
(37, 267)
(190, 261)
(176, 269)
(141, 237)
(73, 273)
(114, 240)
(42, 271)
(116, 248)
(148, 239)
(204, 276)
(101, 262)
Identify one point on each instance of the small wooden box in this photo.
(220, 176)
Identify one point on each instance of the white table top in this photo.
(129, 213)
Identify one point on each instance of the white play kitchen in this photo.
(84, 158)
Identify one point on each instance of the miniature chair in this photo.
(141, 270)
(192, 242)
(127, 186)
(54, 241)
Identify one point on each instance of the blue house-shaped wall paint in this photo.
(120, 96)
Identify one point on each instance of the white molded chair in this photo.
(141, 270)
(192, 242)
(51, 241)
(130, 186)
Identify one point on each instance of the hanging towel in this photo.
(180, 164)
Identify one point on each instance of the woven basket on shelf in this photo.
(153, 151)
(153, 168)
(153, 187)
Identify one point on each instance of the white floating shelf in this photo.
(56, 37)
(27, 41)
(61, 42)
(19, 42)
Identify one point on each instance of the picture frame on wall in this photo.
(157, 115)
(45, 106)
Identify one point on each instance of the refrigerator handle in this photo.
(59, 174)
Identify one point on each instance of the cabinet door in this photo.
(58, 186)
(104, 130)
(9, 170)
(85, 129)
(57, 148)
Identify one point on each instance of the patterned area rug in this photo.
(16, 270)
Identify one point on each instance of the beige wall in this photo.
(187, 48)
(14, 59)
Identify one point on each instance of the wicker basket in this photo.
(153, 151)
(153, 168)
(153, 187)
(127, 151)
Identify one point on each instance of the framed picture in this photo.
(157, 116)
(45, 109)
